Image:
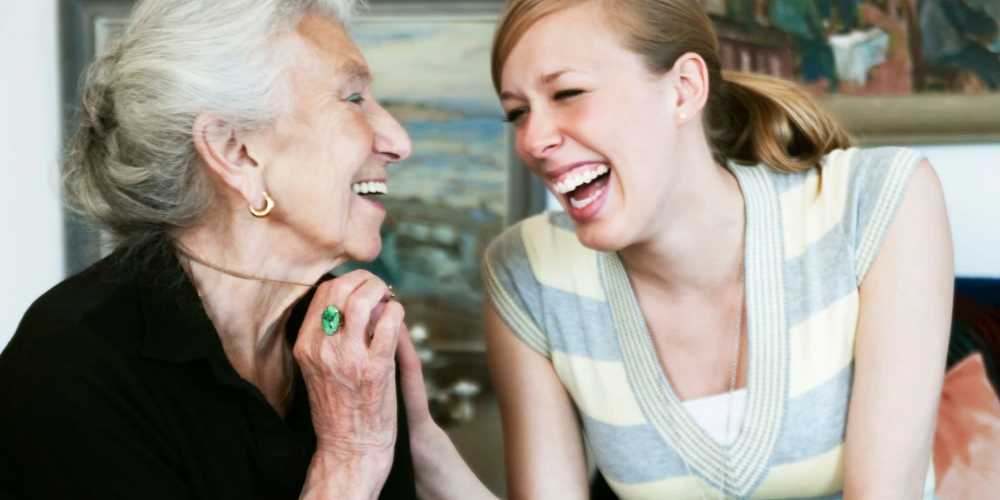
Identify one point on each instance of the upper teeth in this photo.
(370, 187)
(579, 178)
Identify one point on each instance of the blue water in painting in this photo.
(456, 162)
(479, 139)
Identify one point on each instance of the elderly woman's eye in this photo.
(356, 98)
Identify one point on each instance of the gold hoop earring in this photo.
(264, 212)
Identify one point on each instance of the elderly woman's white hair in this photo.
(132, 166)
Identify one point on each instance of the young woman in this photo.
(734, 302)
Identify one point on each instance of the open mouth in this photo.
(370, 189)
(585, 185)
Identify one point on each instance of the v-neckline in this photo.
(741, 466)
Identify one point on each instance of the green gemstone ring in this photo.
(331, 320)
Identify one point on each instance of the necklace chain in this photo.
(191, 256)
(733, 371)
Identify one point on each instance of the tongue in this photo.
(587, 190)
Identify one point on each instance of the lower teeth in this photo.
(578, 204)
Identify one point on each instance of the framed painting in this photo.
(894, 71)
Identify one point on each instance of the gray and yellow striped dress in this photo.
(810, 238)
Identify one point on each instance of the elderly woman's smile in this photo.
(325, 161)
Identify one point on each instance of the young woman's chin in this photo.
(601, 235)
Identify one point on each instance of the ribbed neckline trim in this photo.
(746, 459)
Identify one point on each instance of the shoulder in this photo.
(843, 171)
(864, 172)
(847, 201)
(74, 327)
(850, 183)
(874, 183)
(540, 244)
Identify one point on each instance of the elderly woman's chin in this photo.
(364, 249)
(362, 241)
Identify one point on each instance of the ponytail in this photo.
(761, 119)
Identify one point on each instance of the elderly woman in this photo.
(235, 151)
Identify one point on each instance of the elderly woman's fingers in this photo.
(386, 331)
(359, 308)
(333, 293)
(343, 286)
(312, 338)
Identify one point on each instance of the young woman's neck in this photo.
(700, 248)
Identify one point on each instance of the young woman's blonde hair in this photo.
(749, 118)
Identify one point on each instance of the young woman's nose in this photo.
(541, 136)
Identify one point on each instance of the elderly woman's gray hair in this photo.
(132, 165)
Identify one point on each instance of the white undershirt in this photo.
(710, 414)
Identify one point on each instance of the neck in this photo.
(248, 288)
(699, 249)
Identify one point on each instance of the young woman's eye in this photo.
(356, 98)
(514, 115)
(566, 94)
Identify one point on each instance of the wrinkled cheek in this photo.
(327, 217)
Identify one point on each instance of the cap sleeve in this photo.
(878, 182)
(514, 289)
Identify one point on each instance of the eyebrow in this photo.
(551, 77)
(544, 80)
(355, 72)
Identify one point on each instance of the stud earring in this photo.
(683, 116)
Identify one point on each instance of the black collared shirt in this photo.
(116, 386)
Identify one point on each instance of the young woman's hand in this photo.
(440, 471)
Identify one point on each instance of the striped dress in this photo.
(809, 240)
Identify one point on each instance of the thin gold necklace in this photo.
(193, 257)
(733, 370)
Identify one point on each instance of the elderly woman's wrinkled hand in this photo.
(350, 375)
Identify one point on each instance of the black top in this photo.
(116, 386)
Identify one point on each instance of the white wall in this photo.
(31, 253)
(970, 175)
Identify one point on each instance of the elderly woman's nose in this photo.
(391, 139)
